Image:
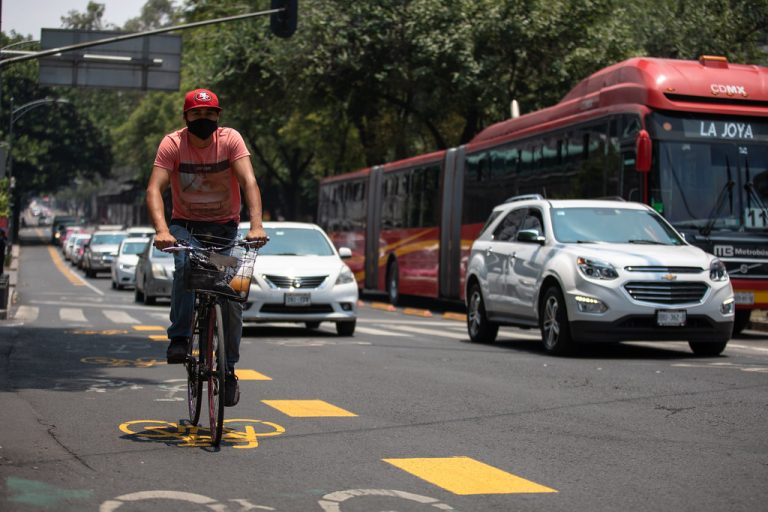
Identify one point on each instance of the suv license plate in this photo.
(297, 299)
(744, 297)
(668, 318)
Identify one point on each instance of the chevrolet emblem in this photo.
(669, 277)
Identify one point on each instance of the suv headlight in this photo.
(596, 269)
(345, 276)
(717, 271)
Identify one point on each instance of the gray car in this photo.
(101, 250)
(154, 275)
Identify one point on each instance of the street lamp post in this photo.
(16, 114)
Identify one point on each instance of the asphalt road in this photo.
(407, 415)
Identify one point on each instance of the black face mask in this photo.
(202, 128)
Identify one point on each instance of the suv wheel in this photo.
(480, 329)
(555, 330)
(707, 349)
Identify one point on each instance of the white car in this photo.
(299, 276)
(595, 271)
(124, 264)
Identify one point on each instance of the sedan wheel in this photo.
(555, 330)
(480, 329)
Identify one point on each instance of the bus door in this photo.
(450, 224)
(373, 229)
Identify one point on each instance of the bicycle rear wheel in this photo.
(218, 365)
(195, 361)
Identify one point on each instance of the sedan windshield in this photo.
(105, 239)
(296, 242)
(134, 247)
(612, 225)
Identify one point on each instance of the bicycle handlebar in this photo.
(184, 245)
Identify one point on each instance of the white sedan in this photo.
(299, 276)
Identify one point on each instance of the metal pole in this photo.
(125, 37)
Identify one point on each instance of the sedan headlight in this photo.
(345, 276)
(125, 266)
(596, 269)
(717, 271)
(158, 270)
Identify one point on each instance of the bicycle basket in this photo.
(221, 274)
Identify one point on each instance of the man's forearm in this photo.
(156, 208)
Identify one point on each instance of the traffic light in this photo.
(283, 23)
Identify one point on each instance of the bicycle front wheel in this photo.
(195, 361)
(216, 378)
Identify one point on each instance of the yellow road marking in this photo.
(417, 312)
(464, 476)
(250, 375)
(148, 328)
(455, 316)
(307, 408)
(71, 277)
(383, 305)
(159, 337)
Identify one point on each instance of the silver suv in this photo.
(594, 271)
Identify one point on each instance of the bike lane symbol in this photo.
(188, 497)
(240, 433)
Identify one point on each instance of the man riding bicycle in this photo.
(206, 166)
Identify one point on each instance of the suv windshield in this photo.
(611, 225)
(295, 242)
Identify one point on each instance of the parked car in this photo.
(72, 243)
(124, 265)
(78, 250)
(59, 223)
(154, 274)
(140, 231)
(594, 271)
(100, 251)
(299, 276)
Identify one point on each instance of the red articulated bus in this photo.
(689, 138)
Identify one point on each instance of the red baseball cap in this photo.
(201, 98)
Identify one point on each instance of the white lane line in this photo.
(72, 315)
(119, 317)
(746, 347)
(153, 309)
(27, 314)
(377, 332)
(430, 332)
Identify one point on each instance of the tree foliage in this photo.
(362, 83)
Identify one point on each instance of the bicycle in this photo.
(213, 276)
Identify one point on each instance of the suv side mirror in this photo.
(345, 253)
(531, 235)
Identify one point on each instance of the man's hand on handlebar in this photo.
(257, 235)
(163, 240)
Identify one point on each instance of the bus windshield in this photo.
(713, 172)
(709, 186)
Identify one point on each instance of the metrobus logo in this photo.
(729, 90)
(724, 250)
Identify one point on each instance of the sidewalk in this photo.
(13, 277)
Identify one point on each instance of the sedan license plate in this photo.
(297, 299)
(674, 318)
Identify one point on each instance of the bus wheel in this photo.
(741, 320)
(393, 283)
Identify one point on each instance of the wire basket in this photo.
(209, 271)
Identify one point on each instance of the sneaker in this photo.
(177, 350)
(231, 390)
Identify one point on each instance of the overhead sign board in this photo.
(150, 62)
